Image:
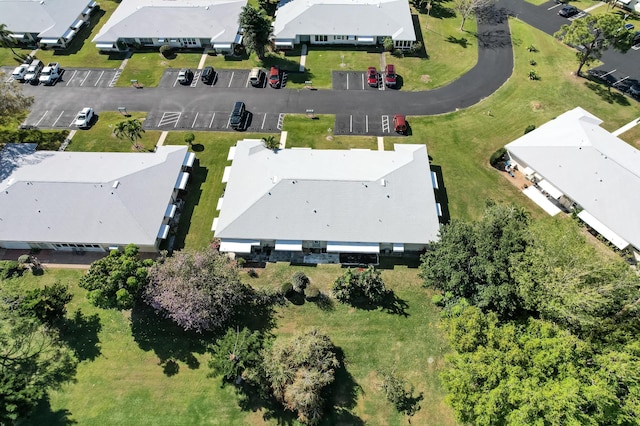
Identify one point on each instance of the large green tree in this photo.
(256, 28)
(474, 260)
(130, 129)
(32, 361)
(237, 356)
(298, 371)
(13, 104)
(5, 38)
(594, 34)
(357, 287)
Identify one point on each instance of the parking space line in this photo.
(55, 122)
(85, 78)
(553, 7)
(99, 78)
(169, 118)
(194, 120)
(280, 121)
(9, 80)
(175, 82)
(362, 77)
(196, 76)
(351, 124)
(71, 124)
(385, 123)
(69, 81)
(42, 118)
(248, 80)
(211, 123)
(230, 80)
(347, 81)
(115, 78)
(366, 124)
(263, 120)
(228, 121)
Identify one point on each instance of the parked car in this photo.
(84, 118)
(50, 74)
(255, 77)
(634, 90)
(629, 27)
(636, 38)
(274, 77)
(236, 120)
(19, 73)
(185, 76)
(390, 75)
(207, 75)
(400, 124)
(568, 11)
(33, 72)
(372, 77)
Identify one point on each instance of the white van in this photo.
(255, 77)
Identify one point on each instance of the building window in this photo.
(403, 44)
(146, 41)
(341, 37)
(321, 38)
(189, 41)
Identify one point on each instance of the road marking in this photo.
(230, 80)
(211, 123)
(71, 124)
(115, 78)
(196, 76)
(194, 120)
(280, 121)
(553, 7)
(169, 118)
(99, 78)
(351, 124)
(228, 122)
(578, 16)
(74, 74)
(248, 80)
(42, 118)
(176, 82)
(263, 120)
(85, 78)
(636, 47)
(385, 123)
(366, 124)
(54, 123)
(362, 81)
(10, 79)
(347, 81)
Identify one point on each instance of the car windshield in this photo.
(82, 116)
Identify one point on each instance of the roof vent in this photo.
(383, 182)
(115, 184)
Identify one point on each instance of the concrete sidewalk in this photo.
(626, 127)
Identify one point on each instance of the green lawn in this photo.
(83, 52)
(147, 67)
(8, 59)
(317, 133)
(120, 379)
(632, 136)
(100, 138)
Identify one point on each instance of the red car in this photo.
(390, 75)
(372, 77)
(274, 77)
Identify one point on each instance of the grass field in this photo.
(121, 380)
(100, 137)
(148, 67)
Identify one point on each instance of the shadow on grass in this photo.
(80, 332)
(391, 304)
(168, 341)
(462, 41)
(390, 262)
(44, 415)
(606, 94)
(194, 192)
(441, 194)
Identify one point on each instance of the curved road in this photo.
(494, 66)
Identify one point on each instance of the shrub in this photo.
(416, 47)
(286, 288)
(312, 293)
(124, 299)
(529, 128)
(437, 299)
(299, 281)
(532, 62)
(533, 75)
(357, 287)
(497, 156)
(252, 273)
(387, 42)
(531, 48)
(25, 258)
(9, 269)
(189, 138)
(165, 50)
(241, 262)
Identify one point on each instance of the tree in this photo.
(594, 34)
(396, 391)
(237, 355)
(299, 281)
(32, 361)
(357, 287)
(5, 38)
(48, 304)
(298, 370)
(257, 29)
(388, 44)
(198, 290)
(130, 129)
(467, 8)
(475, 260)
(270, 142)
(531, 373)
(117, 280)
(189, 138)
(12, 102)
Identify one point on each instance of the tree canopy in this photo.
(130, 129)
(237, 354)
(116, 281)
(256, 28)
(198, 290)
(12, 102)
(594, 34)
(298, 370)
(356, 287)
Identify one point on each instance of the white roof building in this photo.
(184, 23)
(86, 200)
(574, 160)
(357, 201)
(362, 22)
(45, 21)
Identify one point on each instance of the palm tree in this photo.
(131, 129)
(5, 38)
(270, 142)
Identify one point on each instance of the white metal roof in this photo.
(85, 197)
(208, 19)
(371, 18)
(329, 195)
(588, 164)
(48, 18)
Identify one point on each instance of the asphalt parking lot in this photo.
(50, 119)
(227, 78)
(260, 122)
(361, 124)
(353, 80)
(81, 77)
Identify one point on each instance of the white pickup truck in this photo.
(50, 74)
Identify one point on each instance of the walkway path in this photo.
(303, 58)
(161, 139)
(595, 6)
(203, 58)
(626, 127)
(283, 140)
(380, 143)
